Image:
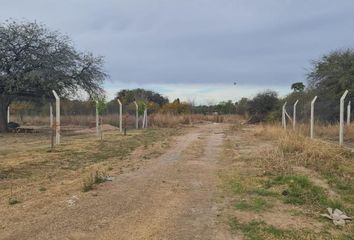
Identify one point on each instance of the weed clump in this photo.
(94, 179)
(42, 189)
(13, 201)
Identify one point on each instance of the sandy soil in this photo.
(173, 196)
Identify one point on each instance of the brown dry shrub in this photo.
(173, 120)
(273, 161)
(315, 154)
(154, 120)
(268, 132)
(297, 150)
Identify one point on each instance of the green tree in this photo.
(176, 107)
(128, 96)
(34, 61)
(333, 72)
(242, 106)
(329, 78)
(262, 105)
(101, 106)
(227, 107)
(298, 87)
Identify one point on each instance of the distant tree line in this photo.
(328, 78)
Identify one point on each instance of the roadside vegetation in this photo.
(280, 182)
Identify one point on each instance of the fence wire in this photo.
(326, 119)
(77, 118)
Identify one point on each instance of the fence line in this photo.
(294, 114)
(312, 116)
(341, 117)
(57, 118)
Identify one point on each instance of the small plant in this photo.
(42, 189)
(236, 186)
(100, 177)
(87, 184)
(13, 200)
(101, 107)
(92, 179)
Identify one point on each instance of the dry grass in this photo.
(155, 120)
(291, 173)
(72, 120)
(299, 150)
(327, 131)
(170, 120)
(28, 164)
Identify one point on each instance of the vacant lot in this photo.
(279, 183)
(207, 181)
(33, 177)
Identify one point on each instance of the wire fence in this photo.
(81, 118)
(76, 119)
(321, 118)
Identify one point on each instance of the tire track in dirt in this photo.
(172, 197)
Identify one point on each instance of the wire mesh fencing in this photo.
(321, 118)
(77, 118)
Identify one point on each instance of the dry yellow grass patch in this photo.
(30, 170)
(276, 174)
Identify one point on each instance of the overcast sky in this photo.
(197, 49)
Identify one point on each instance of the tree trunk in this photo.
(4, 103)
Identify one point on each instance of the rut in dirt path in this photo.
(172, 197)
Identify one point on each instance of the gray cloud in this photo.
(263, 43)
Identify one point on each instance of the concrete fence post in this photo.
(348, 112)
(51, 115)
(8, 114)
(57, 118)
(97, 120)
(145, 121)
(294, 115)
(312, 117)
(146, 117)
(341, 117)
(120, 115)
(136, 115)
(283, 116)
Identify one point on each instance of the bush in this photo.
(261, 105)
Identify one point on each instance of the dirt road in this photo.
(171, 197)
